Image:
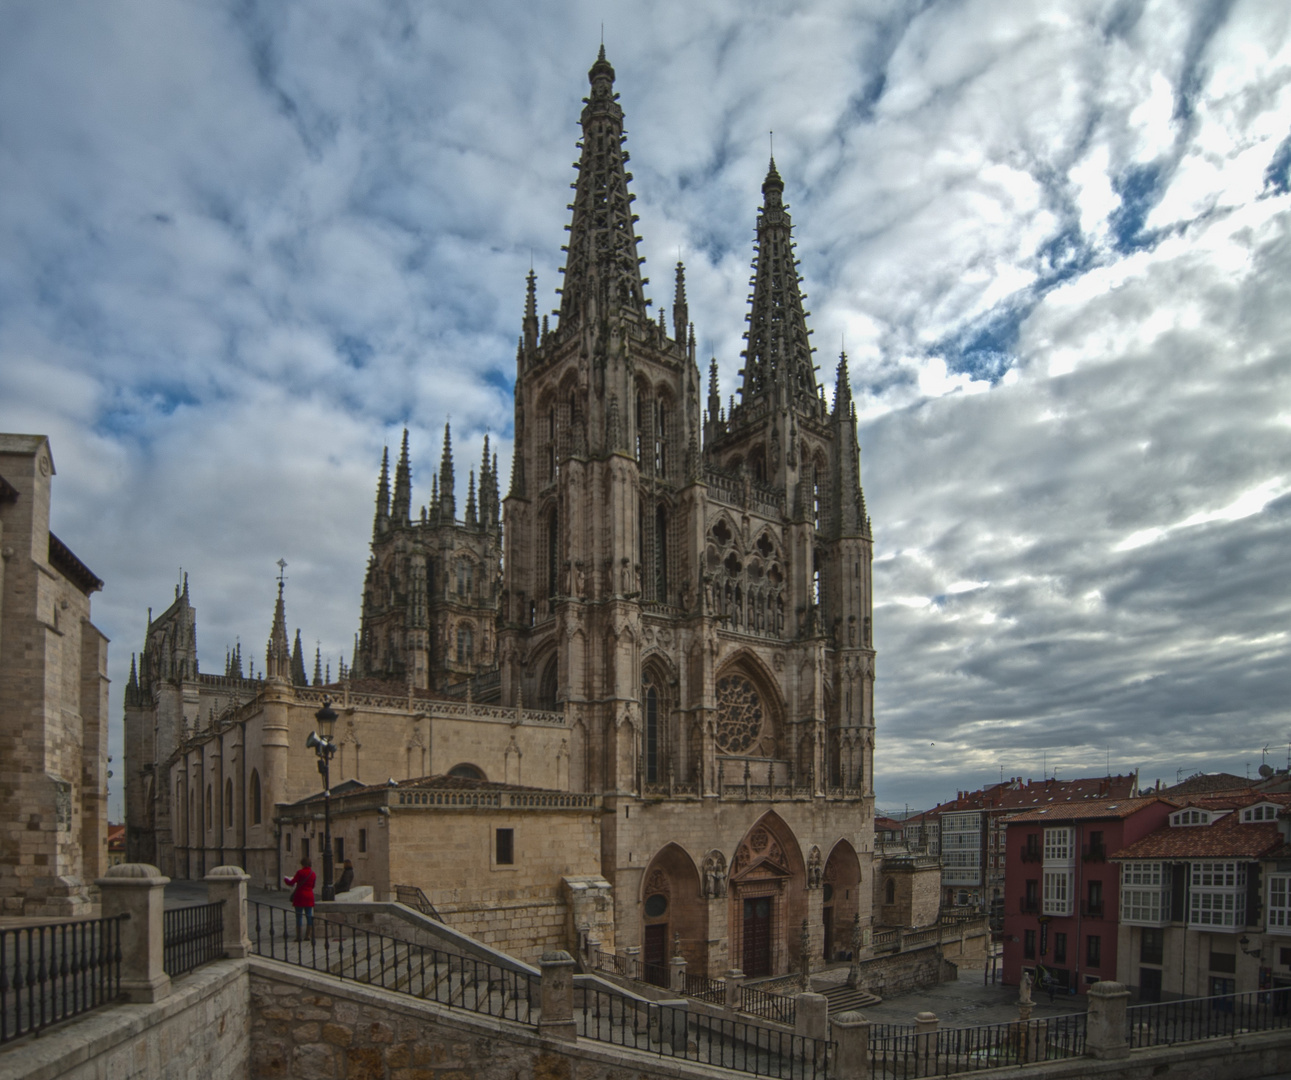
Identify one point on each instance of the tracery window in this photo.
(739, 714)
(465, 645)
(651, 734)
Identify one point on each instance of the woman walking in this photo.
(302, 897)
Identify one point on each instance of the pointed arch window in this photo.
(209, 804)
(465, 645)
(815, 496)
(553, 560)
(815, 577)
(228, 803)
(640, 426)
(660, 443)
(256, 813)
(661, 555)
(651, 734)
(551, 443)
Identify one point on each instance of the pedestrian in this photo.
(347, 878)
(302, 897)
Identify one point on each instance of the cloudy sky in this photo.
(243, 244)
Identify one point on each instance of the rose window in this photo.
(739, 714)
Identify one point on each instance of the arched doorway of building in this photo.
(672, 911)
(768, 897)
(841, 891)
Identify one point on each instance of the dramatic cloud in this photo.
(243, 244)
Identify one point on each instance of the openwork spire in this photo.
(680, 310)
(278, 653)
(602, 269)
(381, 519)
(447, 485)
(778, 357)
(401, 506)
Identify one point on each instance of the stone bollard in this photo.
(229, 883)
(678, 978)
(138, 890)
(852, 1046)
(734, 988)
(1105, 1025)
(925, 1031)
(811, 1016)
(557, 1020)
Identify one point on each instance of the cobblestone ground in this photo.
(967, 1003)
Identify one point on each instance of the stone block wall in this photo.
(906, 971)
(202, 1029)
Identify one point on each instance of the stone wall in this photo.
(902, 972)
(203, 1029)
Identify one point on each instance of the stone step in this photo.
(843, 998)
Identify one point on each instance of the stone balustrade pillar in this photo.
(734, 986)
(1106, 1035)
(925, 1030)
(229, 883)
(811, 1016)
(138, 890)
(557, 995)
(852, 1046)
(677, 980)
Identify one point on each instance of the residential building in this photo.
(1062, 891)
(1206, 899)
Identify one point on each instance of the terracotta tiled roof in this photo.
(1088, 810)
(887, 824)
(1208, 783)
(116, 837)
(1046, 792)
(1227, 838)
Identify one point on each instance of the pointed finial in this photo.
(282, 574)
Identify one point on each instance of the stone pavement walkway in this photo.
(188, 893)
(967, 1003)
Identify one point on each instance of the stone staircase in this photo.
(843, 998)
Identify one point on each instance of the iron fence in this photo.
(630, 967)
(704, 988)
(368, 957)
(1222, 1016)
(910, 1054)
(192, 936)
(670, 1031)
(56, 971)
(777, 1008)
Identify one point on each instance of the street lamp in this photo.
(322, 744)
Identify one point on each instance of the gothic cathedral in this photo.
(669, 614)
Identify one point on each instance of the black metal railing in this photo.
(59, 970)
(1091, 910)
(777, 1008)
(413, 897)
(709, 1040)
(906, 1055)
(704, 988)
(192, 936)
(1222, 1016)
(1094, 853)
(631, 967)
(1031, 854)
(1029, 905)
(364, 956)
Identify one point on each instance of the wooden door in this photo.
(757, 937)
(655, 954)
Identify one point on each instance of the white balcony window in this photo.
(1279, 904)
(1217, 896)
(1059, 845)
(1145, 894)
(1057, 892)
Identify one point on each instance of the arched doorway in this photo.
(840, 899)
(768, 897)
(672, 911)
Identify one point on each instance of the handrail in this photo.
(413, 897)
(56, 971)
(192, 936)
(1218, 1017)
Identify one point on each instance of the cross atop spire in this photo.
(602, 268)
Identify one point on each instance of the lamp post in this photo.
(323, 745)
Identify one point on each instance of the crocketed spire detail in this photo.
(381, 519)
(401, 505)
(278, 653)
(602, 269)
(778, 357)
(447, 485)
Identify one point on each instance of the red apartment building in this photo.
(1062, 891)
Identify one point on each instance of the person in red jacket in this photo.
(302, 897)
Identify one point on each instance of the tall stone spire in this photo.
(680, 309)
(447, 485)
(318, 665)
(530, 341)
(298, 662)
(846, 498)
(602, 268)
(278, 654)
(401, 505)
(381, 520)
(489, 505)
(778, 357)
(472, 518)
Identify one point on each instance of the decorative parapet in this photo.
(502, 800)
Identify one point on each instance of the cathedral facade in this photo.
(670, 607)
